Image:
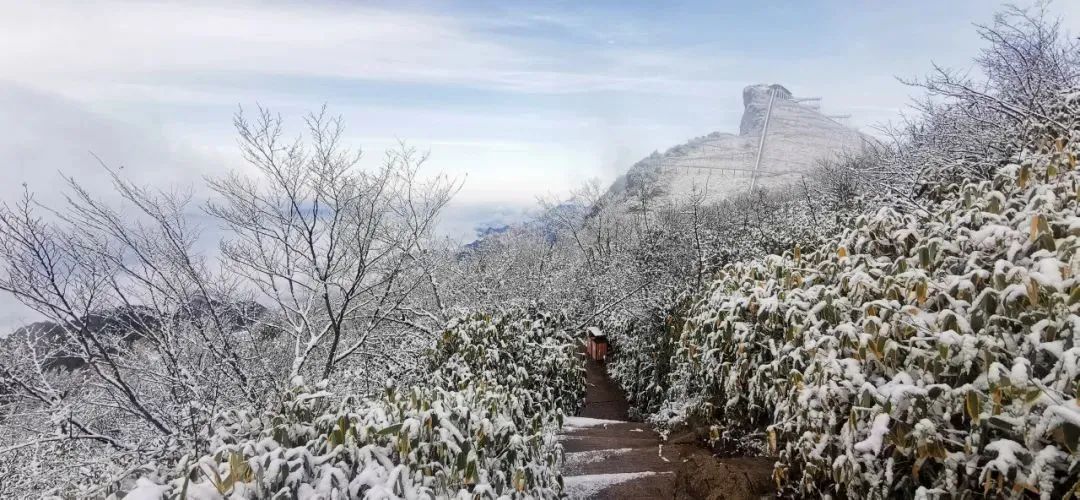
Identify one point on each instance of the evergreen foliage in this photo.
(918, 355)
(479, 427)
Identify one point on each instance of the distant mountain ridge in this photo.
(797, 137)
(124, 325)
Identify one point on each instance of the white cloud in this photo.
(46, 135)
(120, 40)
(99, 49)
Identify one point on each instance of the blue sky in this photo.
(522, 99)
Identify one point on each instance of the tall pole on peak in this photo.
(761, 142)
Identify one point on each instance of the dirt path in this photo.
(609, 457)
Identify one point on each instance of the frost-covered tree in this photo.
(324, 269)
(967, 123)
(338, 251)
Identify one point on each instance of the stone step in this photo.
(638, 485)
(609, 457)
(622, 460)
(580, 426)
(634, 431)
(576, 443)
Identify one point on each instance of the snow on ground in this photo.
(587, 486)
(593, 456)
(584, 422)
(145, 489)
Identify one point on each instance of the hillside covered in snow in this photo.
(781, 139)
(851, 319)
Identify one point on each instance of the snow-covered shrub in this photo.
(740, 229)
(640, 358)
(920, 355)
(480, 426)
(529, 356)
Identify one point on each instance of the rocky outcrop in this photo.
(756, 105)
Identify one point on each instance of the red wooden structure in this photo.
(596, 346)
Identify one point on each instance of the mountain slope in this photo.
(797, 136)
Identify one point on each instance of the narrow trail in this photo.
(609, 457)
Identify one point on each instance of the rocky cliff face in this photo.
(797, 138)
(756, 104)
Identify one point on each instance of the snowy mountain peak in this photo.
(781, 137)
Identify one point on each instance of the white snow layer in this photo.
(589, 485)
(584, 422)
(592, 456)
